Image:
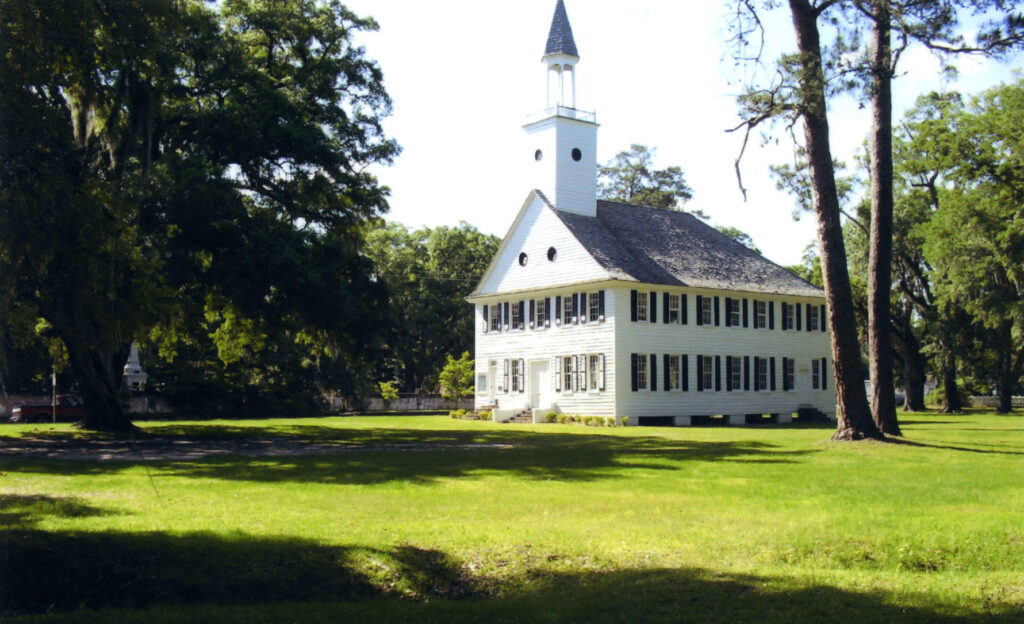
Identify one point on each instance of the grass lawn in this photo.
(426, 519)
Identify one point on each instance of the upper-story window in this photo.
(594, 303)
(760, 314)
(788, 316)
(673, 309)
(495, 317)
(542, 313)
(641, 306)
(813, 322)
(517, 320)
(707, 311)
(567, 310)
(733, 310)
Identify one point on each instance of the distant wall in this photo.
(990, 401)
(137, 404)
(405, 403)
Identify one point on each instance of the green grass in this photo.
(426, 519)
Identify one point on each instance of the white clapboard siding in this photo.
(536, 230)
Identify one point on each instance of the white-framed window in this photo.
(708, 377)
(517, 320)
(641, 306)
(481, 382)
(816, 374)
(517, 377)
(594, 303)
(641, 372)
(733, 310)
(707, 317)
(788, 373)
(737, 372)
(496, 317)
(813, 322)
(673, 309)
(673, 372)
(760, 314)
(567, 373)
(788, 316)
(567, 310)
(542, 313)
(761, 373)
(594, 372)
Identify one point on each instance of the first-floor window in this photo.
(816, 374)
(673, 309)
(567, 310)
(542, 313)
(567, 373)
(736, 372)
(708, 380)
(516, 381)
(673, 372)
(481, 383)
(641, 372)
(788, 373)
(594, 372)
(496, 317)
(761, 373)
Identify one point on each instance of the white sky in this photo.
(464, 74)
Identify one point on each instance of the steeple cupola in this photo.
(563, 139)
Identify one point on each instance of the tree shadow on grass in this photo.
(951, 447)
(206, 577)
(367, 457)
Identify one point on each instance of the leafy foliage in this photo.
(456, 377)
(630, 177)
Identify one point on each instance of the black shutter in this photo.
(821, 318)
(699, 315)
(632, 364)
(757, 373)
(576, 308)
(718, 373)
(522, 376)
(558, 309)
(487, 319)
(632, 305)
(547, 311)
(507, 319)
(718, 320)
(784, 315)
(654, 372)
(664, 307)
(653, 311)
(785, 376)
(600, 303)
(798, 317)
(700, 373)
(683, 308)
(686, 372)
(728, 374)
(522, 315)
(771, 315)
(824, 376)
(533, 312)
(809, 317)
(746, 372)
(668, 379)
(584, 308)
(728, 311)
(746, 317)
(771, 374)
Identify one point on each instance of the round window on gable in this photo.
(576, 154)
(538, 155)
(523, 258)
(552, 254)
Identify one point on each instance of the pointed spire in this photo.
(560, 39)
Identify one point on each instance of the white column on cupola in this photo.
(563, 139)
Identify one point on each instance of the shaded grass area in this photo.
(416, 519)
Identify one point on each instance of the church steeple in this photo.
(563, 139)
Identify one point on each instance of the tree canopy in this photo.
(631, 177)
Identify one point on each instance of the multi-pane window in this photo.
(641, 372)
(641, 306)
(788, 374)
(708, 381)
(594, 372)
(542, 312)
(517, 377)
(760, 314)
(737, 372)
(812, 318)
(567, 373)
(733, 310)
(788, 316)
(706, 311)
(517, 320)
(595, 306)
(496, 317)
(567, 309)
(673, 309)
(816, 374)
(673, 372)
(762, 373)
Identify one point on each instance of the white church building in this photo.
(608, 309)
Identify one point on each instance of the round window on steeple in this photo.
(576, 154)
(523, 259)
(538, 155)
(552, 253)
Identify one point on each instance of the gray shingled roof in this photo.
(560, 39)
(675, 248)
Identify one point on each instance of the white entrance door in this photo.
(540, 384)
(492, 378)
(803, 382)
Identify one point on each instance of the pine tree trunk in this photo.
(880, 360)
(953, 403)
(853, 413)
(913, 363)
(1007, 376)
